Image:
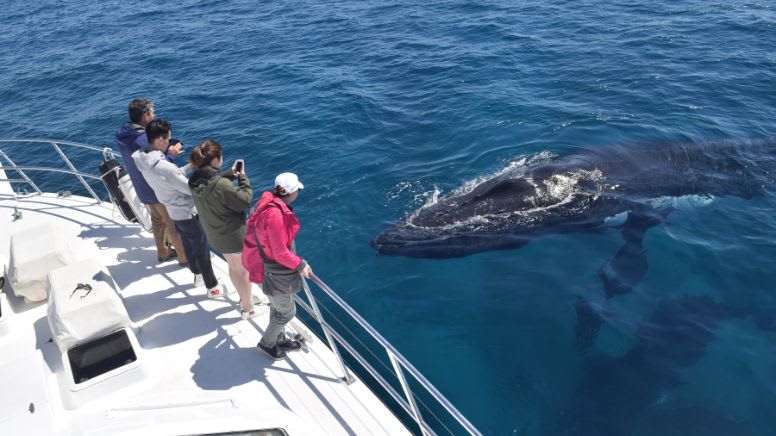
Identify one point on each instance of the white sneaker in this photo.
(198, 280)
(248, 314)
(216, 291)
(258, 299)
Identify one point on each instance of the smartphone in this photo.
(239, 164)
(173, 143)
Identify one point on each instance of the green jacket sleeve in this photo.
(229, 174)
(237, 198)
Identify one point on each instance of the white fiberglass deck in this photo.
(206, 374)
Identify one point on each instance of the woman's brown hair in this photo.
(205, 152)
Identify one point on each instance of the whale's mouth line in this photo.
(443, 246)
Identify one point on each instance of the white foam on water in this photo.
(397, 190)
(682, 202)
(431, 197)
(516, 166)
(562, 185)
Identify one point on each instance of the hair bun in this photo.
(205, 152)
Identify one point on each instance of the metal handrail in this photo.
(52, 170)
(21, 172)
(81, 176)
(398, 361)
(72, 168)
(52, 141)
(367, 367)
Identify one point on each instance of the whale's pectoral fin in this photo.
(629, 266)
(589, 321)
(621, 274)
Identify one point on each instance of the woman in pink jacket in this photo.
(276, 228)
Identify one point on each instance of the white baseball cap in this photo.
(289, 181)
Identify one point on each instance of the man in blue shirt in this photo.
(130, 137)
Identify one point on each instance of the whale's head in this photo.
(499, 213)
(462, 223)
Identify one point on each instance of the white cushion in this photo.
(77, 316)
(34, 252)
(140, 210)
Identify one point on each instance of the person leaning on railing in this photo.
(275, 230)
(131, 137)
(221, 207)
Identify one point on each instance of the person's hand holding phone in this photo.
(175, 148)
(238, 167)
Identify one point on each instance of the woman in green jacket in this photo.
(221, 207)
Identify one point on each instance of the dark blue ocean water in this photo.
(381, 106)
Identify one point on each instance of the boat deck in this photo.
(206, 373)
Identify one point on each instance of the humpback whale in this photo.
(576, 192)
(584, 191)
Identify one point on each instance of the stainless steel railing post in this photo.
(347, 378)
(471, 429)
(21, 173)
(72, 168)
(407, 391)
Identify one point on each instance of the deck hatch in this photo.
(100, 356)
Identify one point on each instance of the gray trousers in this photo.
(282, 310)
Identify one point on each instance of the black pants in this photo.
(197, 251)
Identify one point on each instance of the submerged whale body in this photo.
(627, 390)
(576, 192)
